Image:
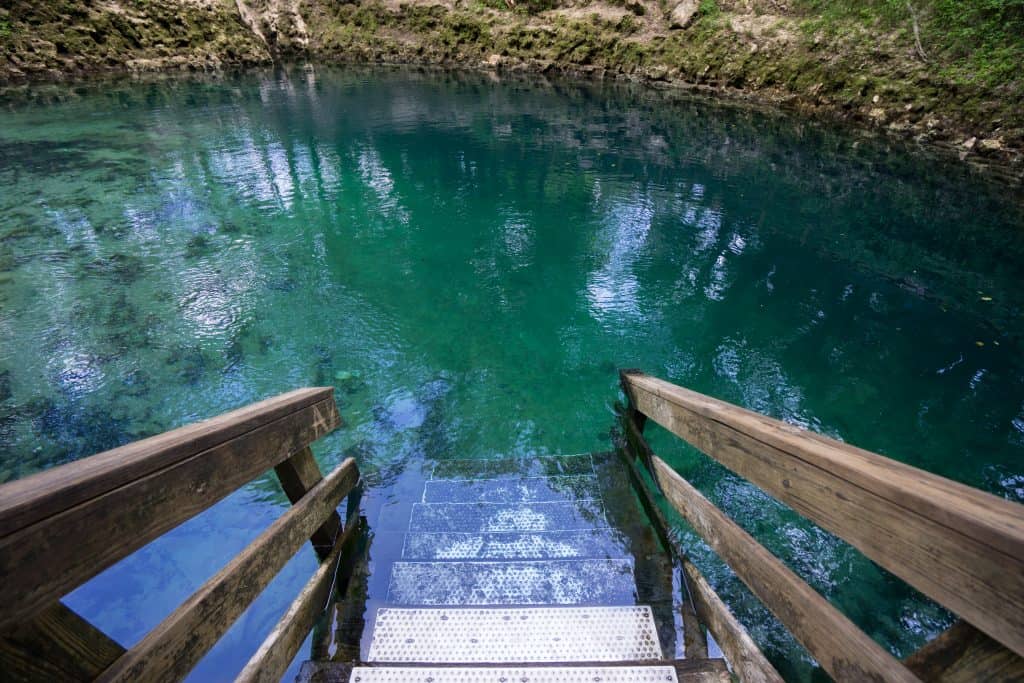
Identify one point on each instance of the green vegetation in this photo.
(946, 70)
(709, 8)
(970, 42)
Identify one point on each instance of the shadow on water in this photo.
(468, 259)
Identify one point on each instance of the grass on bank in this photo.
(975, 42)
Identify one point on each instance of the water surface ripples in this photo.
(468, 261)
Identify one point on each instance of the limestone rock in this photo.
(990, 145)
(683, 13)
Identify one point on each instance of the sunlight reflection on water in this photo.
(468, 262)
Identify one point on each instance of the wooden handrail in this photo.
(57, 548)
(745, 657)
(60, 528)
(175, 646)
(843, 650)
(962, 547)
(271, 660)
(29, 500)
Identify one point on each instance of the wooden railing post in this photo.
(633, 422)
(962, 547)
(846, 652)
(702, 604)
(63, 526)
(272, 658)
(298, 474)
(177, 644)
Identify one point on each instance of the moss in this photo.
(818, 55)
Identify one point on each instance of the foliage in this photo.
(709, 8)
(970, 41)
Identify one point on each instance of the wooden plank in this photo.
(961, 547)
(695, 644)
(843, 650)
(175, 646)
(46, 560)
(45, 494)
(746, 658)
(339, 636)
(272, 658)
(695, 640)
(56, 645)
(298, 474)
(747, 661)
(963, 654)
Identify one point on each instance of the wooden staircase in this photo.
(512, 571)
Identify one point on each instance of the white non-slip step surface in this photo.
(509, 635)
(553, 582)
(526, 490)
(516, 468)
(547, 545)
(625, 674)
(484, 517)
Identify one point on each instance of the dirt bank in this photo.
(891, 72)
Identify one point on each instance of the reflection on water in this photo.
(468, 261)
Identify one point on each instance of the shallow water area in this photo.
(468, 260)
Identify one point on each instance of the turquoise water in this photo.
(469, 260)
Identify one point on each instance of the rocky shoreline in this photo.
(756, 54)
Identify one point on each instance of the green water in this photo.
(469, 260)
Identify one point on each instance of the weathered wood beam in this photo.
(338, 637)
(963, 654)
(843, 650)
(298, 474)
(960, 546)
(34, 498)
(745, 657)
(56, 645)
(177, 644)
(272, 658)
(41, 562)
(695, 643)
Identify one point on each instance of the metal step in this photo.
(489, 517)
(515, 468)
(501, 635)
(546, 545)
(528, 490)
(552, 582)
(561, 674)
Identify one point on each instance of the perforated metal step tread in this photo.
(552, 582)
(580, 514)
(515, 468)
(544, 545)
(626, 674)
(504, 490)
(507, 635)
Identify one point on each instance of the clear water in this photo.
(469, 260)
